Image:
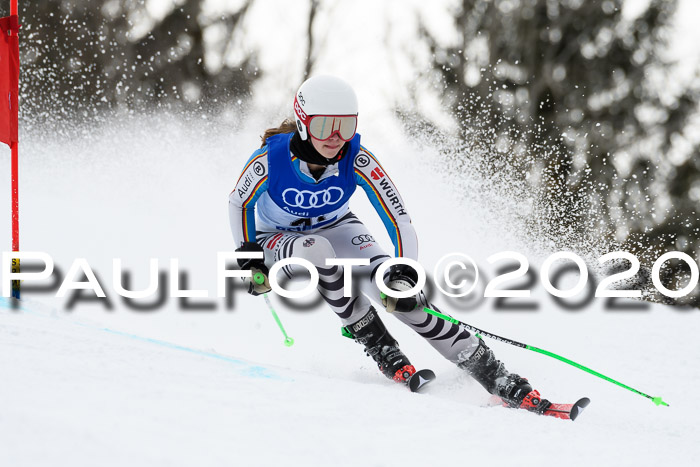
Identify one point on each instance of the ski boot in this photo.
(371, 332)
(513, 390)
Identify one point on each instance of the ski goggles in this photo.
(323, 127)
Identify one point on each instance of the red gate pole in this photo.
(15, 190)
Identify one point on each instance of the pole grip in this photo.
(259, 278)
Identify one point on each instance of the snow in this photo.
(78, 394)
(214, 384)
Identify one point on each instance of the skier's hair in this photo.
(287, 126)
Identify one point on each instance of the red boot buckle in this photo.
(402, 374)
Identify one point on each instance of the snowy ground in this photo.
(177, 386)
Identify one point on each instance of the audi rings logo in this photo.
(360, 239)
(305, 199)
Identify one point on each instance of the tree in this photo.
(580, 99)
(80, 58)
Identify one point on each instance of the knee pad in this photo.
(313, 248)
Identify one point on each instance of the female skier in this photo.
(292, 199)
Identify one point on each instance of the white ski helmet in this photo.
(325, 96)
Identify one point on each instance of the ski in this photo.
(419, 380)
(561, 411)
(567, 411)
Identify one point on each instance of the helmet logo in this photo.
(300, 113)
(301, 99)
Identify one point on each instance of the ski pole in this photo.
(656, 400)
(259, 278)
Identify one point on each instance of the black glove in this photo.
(400, 277)
(257, 268)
